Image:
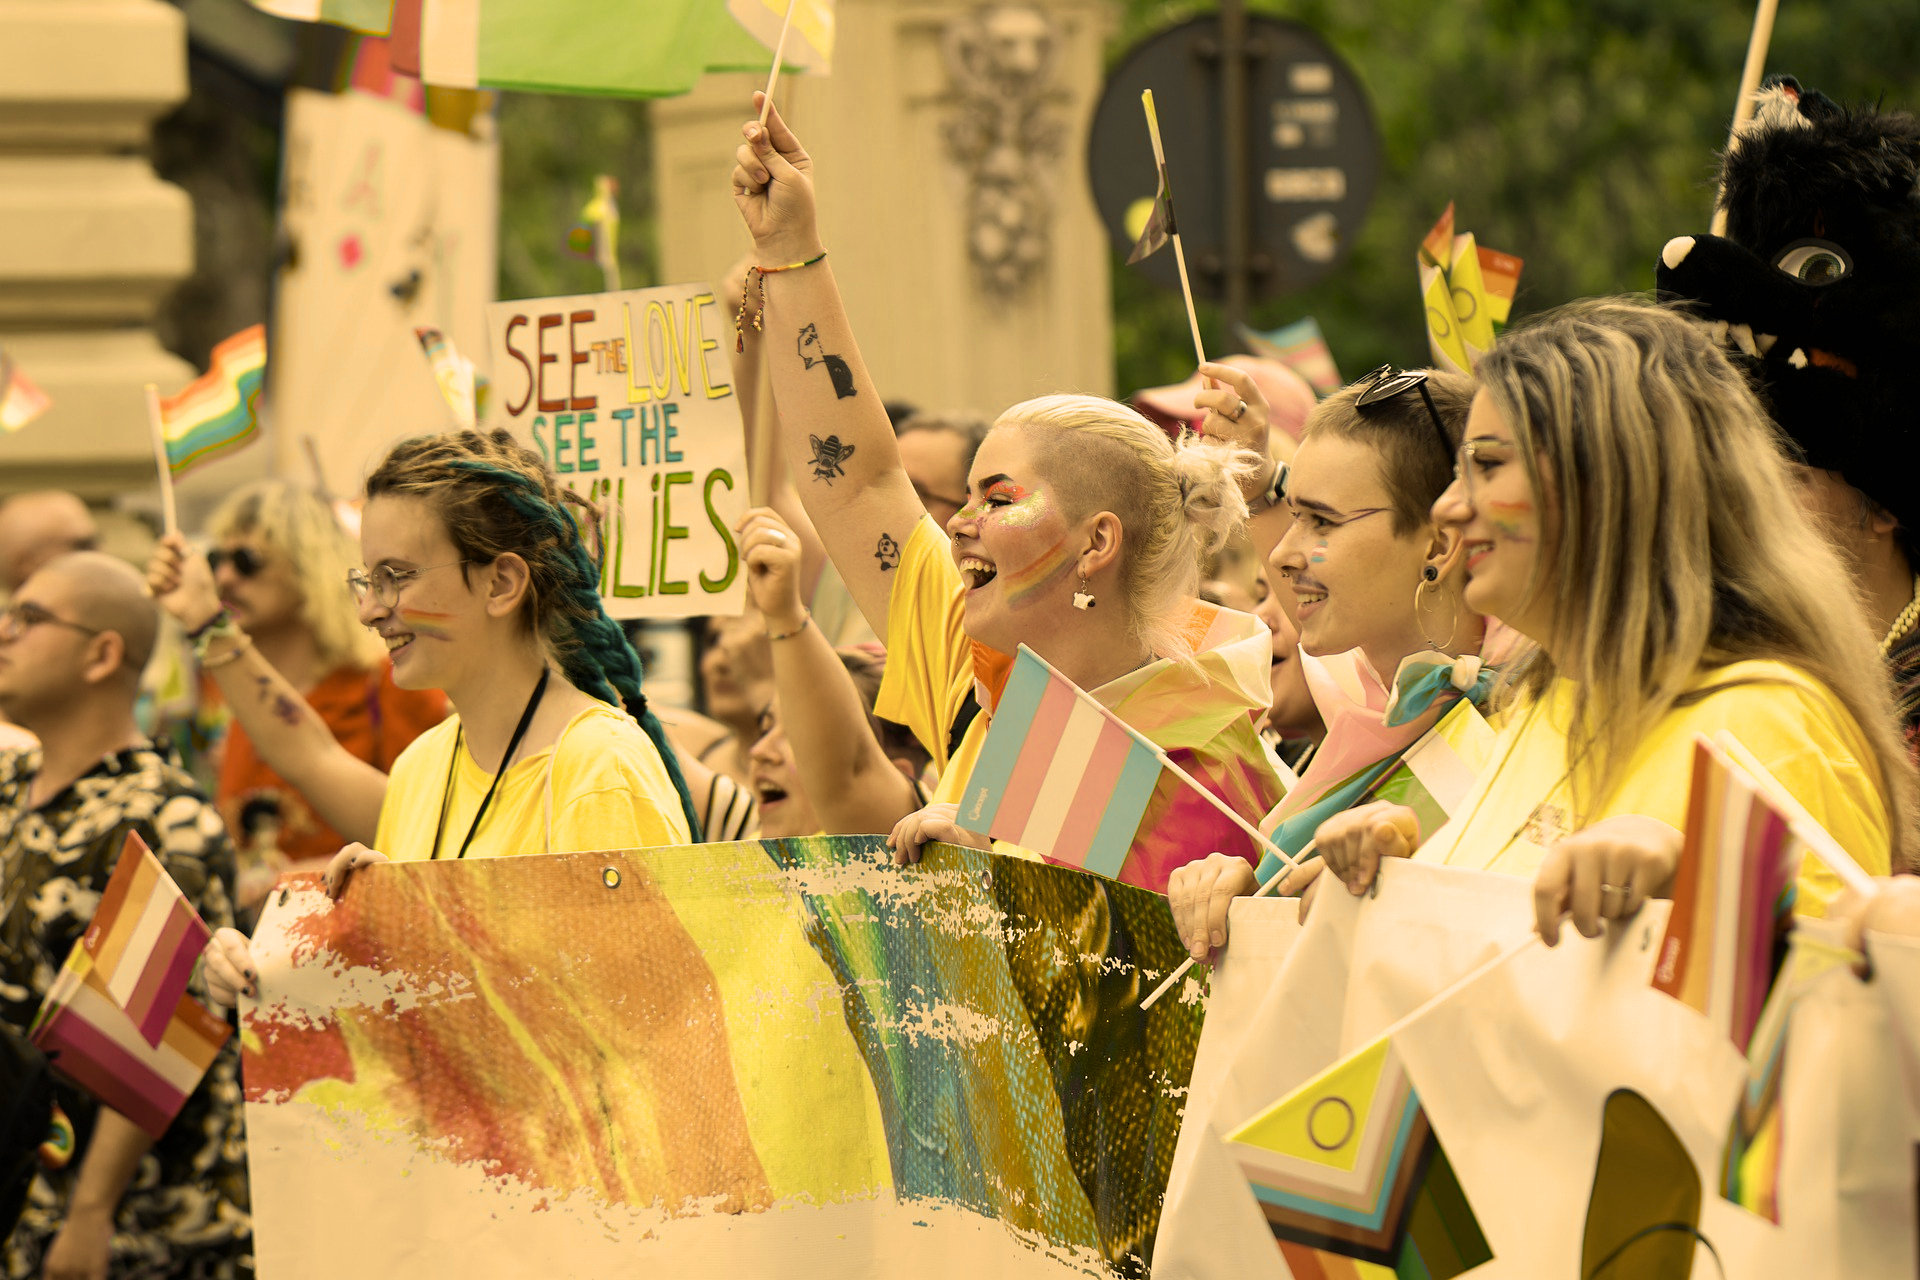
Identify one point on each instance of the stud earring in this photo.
(1083, 598)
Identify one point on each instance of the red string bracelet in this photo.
(746, 291)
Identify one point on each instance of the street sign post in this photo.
(1270, 193)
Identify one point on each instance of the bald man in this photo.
(36, 527)
(73, 641)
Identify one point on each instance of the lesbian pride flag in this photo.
(216, 411)
(1059, 773)
(118, 1020)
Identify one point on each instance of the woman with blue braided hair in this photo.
(481, 583)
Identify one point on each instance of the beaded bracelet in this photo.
(788, 635)
(220, 626)
(746, 291)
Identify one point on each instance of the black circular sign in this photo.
(1314, 155)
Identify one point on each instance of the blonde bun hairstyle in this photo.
(1177, 503)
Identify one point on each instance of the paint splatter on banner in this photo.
(768, 1059)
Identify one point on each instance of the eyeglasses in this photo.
(245, 560)
(1383, 384)
(386, 581)
(16, 618)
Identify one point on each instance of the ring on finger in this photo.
(1239, 410)
(1624, 893)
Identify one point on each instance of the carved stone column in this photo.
(951, 144)
(90, 239)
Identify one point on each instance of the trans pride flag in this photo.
(216, 411)
(118, 1020)
(1060, 774)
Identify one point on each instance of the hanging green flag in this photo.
(579, 46)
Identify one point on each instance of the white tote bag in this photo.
(1358, 965)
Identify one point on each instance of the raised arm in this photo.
(853, 786)
(1237, 411)
(833, 429)
(290, 736)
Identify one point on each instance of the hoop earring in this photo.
(1430, 579)
(1083, 598)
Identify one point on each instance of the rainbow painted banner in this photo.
(118, 1020)
(1732, 896)
(745, 1059)
(216, 412)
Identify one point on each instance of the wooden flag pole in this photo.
(779, 51)
(170, 516)
(1749, 85)
(1179, 253)
(1271, 883)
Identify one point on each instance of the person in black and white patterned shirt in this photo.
(72, 644)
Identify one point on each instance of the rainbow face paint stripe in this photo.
(422, 623)
(1506, 518)
(1051, 567)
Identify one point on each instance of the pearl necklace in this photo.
(1903, 623)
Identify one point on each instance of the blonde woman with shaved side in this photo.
(1081, 537)
(1625, 503)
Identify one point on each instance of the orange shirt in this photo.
(369, 715)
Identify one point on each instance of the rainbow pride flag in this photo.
(1060, 774)
(20, 400)
(118, 1020)
(1348, 1171)
(1731, 896)
(216, 411)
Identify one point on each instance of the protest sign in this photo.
(629, 398)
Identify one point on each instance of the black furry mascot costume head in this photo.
(1816, 288)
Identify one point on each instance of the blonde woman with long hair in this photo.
(1626, 504)
(279, 570)
(1081, 537)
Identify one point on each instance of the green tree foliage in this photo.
(1579, 134)
(551, 148)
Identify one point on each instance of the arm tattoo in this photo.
(828, 454)
(285, 709)
(888, 553)
(837, 369)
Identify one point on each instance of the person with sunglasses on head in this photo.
(483, 583)
(278, 571)
(1081, 538)
(73, 641)
(1388, 643)
(1624, 502)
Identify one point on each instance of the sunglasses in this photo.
(245, 561)
(1384, 384)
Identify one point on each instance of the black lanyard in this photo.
(519, 732)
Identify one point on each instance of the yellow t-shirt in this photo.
(610, 790)
(1791, 723)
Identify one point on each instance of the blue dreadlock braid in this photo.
(594, 653)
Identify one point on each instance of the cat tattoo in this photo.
(828, 454)
(811, 355)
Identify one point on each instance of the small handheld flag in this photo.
(454, 374)
(1301, 347)
(1161, 228)
(20, 400)
(1348, 1163)
(1468, 292)
(1063, 776)
(1432, 777)
(799, 33)
(217, 411)
(118, 1020)
(1734, 890)
(597, 235)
